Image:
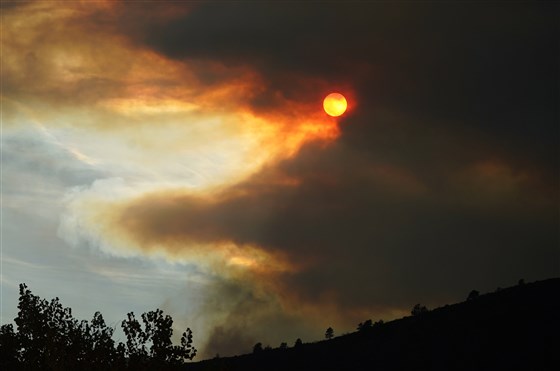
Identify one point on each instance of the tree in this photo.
(135, 349)
(298, 343)
(257, 348)
(418, 310)
(473, 295)
(103, 350)
(48, 337)
(283, 346)
(157, 334)
(9, 348)
(329, 333)
(365, 325)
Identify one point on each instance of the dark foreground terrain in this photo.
(512, 329)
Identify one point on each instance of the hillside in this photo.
(512, 329)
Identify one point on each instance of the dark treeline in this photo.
(511, 329)
(516, 328)
(49, 338)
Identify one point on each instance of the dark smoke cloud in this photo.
(375, 233)
(446, 173)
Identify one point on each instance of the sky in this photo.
(176, 155)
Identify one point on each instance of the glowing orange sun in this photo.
(335, 104)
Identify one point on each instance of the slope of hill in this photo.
(512, 329)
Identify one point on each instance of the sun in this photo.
(335, 104)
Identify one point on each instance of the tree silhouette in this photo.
(329, 333)
(365, 325)
(257, 348)
(9, 348)
(473, 295)
(418, 310)
(283, 346)
(298, 343)
(100, 345)
(48, 337)
(157, 332)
